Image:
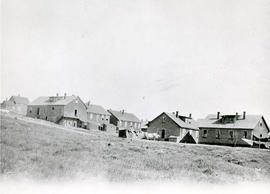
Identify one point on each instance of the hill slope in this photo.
(38, 149)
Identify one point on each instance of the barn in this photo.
(64, 110)
(232, 129)
(174, 127)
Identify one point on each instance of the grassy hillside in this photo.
(38, 149)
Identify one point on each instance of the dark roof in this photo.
(250, 122)
(19, 100)
(188, 124)
(124, 116)
(53, 100)
(97, 109)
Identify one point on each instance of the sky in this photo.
(143, 56)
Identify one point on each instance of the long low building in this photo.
(64, 110)
(232, 129)
(174, 127)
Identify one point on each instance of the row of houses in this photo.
(219, 129)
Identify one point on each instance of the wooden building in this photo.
(97, 117)
(64, 110)
(125, 120)
(232, 129)
(174, 127)
(16, 104)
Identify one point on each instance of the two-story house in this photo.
(64, 110)
(125, 120)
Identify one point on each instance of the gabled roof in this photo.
(250, 122)
(189, 124)
(124, 116)
(19, 100)
(60, 100)
(97, 109)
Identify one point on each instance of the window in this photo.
(126, 124)
(91, 116)
(53, 108)
(30, 109)
(97, 117)
(245, 134)
(75, 112)
(38, 111)
(120, 123)
(231, 134)
(217, 134)
(163, 119)
(204, 133)
(260, 124)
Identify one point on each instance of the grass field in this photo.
(41, 150)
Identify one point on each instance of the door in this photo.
(163, 133)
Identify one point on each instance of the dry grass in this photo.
(42, 150)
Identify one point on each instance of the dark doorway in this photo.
(163, 133)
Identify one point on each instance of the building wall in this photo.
(171, 128)
(125, 124)
(130, 125)
(17, 108)
(100, 118)
(224, 138)
(67, 122)
(69, 110)
(49, 112)
(260, 130)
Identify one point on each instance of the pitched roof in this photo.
(53, 100)
(124, 116)
(96, 109)
(19, 100)
(189, 124)
(249, 122)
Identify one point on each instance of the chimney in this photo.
(244, 115)
(236, 115)
(123, 111)
(218, 114)
(176, 114)
(190, 115)
(65, 95)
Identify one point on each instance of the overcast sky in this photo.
(144, 56)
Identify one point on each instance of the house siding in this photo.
(51, 113)
(62, 114)
(69, 110)
(224, 138)
(171, 128)
(260, 130)
(98, 118)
